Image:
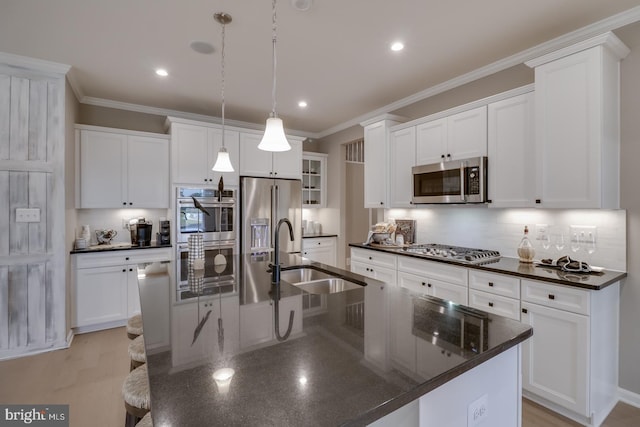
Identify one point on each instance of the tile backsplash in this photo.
(502, 230)
(106, 219)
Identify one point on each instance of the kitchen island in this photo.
(236, 357)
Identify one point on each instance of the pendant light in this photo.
(223, 162)
(274, 138)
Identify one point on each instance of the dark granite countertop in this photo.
(513, 267)
(116, 247)
(323, 374)
(318, 235)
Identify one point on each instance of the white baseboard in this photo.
(629, 397)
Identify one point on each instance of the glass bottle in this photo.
(526, 251)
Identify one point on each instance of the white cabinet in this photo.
(376, 134)
(256, 162)
(257, 321)
(402, 157)
(571, 363)
(320, 249)
(459, 136)
(119, 168)
(314, 180)
(105, 286)
(511, 152)
(577, 124)
(495, 293)
(194, 150)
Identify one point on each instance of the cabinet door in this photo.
(133, 294)
(375, 166)
(189, 154)
(101, 295)
(568, 131)
(511, 151)
(375, 325)
(555, 358)
(403, 342)
(431, 142)
(314, 180)
(320, 250)
(102, 169)
(253, 161)
(285, 306)
(402, 157)
(147, 172)
(288, 164)
(232, 144)
(256, 324)
(467, 134)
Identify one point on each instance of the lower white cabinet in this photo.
(495, 293)
(257, 321)
(320, 249)
(105, 286)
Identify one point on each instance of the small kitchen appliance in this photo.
(164, 235)
(140, 230)
(454, 181)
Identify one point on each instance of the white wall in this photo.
(502, 230)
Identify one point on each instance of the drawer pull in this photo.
(319, 243)
(491, 284)
(490, 304)
(124, 270)
(429, 285)
(370, 258)
(131, 269)
(423, 283)
(126, 259)
(525, 311)
(552, 296)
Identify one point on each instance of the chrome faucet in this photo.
(275, 267)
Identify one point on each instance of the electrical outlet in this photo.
(348, 262)
(478, 411)
(125, 224)
(541, 230)
(27, 215)
(582, 232)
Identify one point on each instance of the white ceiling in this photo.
(335, 56)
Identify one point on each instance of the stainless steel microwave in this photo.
(455, 181)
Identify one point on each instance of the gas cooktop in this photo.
(455, 253)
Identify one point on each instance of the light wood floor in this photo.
(89, 376)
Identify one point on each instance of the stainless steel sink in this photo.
(317, 282)
(327, 286)
(300, 275)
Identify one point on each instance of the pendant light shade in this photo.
(274, 138)
(223, 162)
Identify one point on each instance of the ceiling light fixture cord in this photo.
(273, 93)
(223, 32)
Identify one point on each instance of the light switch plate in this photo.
(28, 215)
(582, 232)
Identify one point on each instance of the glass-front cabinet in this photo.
(314, 180)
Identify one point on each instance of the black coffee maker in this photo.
(140, 232)
(164, 235)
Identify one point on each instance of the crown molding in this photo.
(608, 24)
(34, 64)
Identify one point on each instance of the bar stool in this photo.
(135, 392)
(134, 326)
(136, 352)
(145, 421)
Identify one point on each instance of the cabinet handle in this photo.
(275, 173)
(126, 259)
(319, 243)
(370, 258)
(538, 201)
(131, 269)
(428, 285)
(491, 284)
(423, 283)
(124, 270)
(552, 296)
(381, 287)
(381, 203)
(489, 201)
(490, 304)
(124, 203)
(130, 203)
(449, 155)
(525, 311)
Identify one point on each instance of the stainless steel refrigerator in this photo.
(263, 202)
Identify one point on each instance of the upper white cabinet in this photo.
(314, 180)
(577, 124)
(511, 151)
(459, 136)
(194, 150)
(256, 162)
(376, 134)
(119, 168)
(402, 157)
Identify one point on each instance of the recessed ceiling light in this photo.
(397, 46)
(162, 72)
(302, 104)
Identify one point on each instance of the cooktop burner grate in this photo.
(456, 253)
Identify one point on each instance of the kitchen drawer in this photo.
(496, 304)
(556, 296)
(133, 256)
(374, 257)
(319, 242)
(413, 283)
(498, 284)
(383, 274)
(434, 270)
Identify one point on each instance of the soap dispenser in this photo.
(526, 251)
